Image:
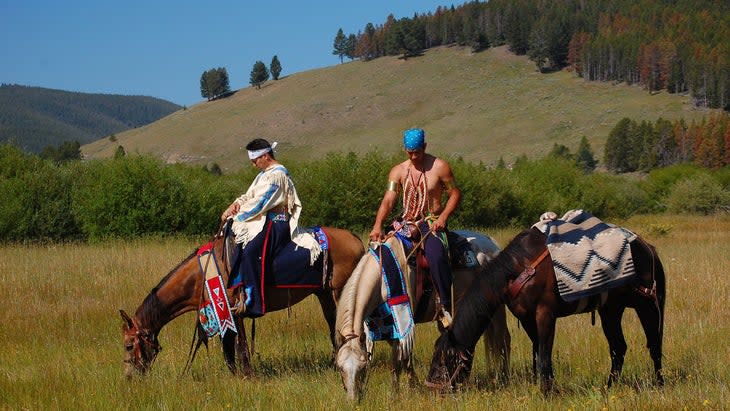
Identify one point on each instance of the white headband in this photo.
(254, 154)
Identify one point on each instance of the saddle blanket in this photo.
(589, 256)
(291, 269)
(393, 319)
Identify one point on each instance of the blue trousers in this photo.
(249, 268)
(437, 255)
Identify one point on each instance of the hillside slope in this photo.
(479, 106)
(35, 117)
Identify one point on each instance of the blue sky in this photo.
(161, 48)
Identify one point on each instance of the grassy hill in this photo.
(35, 117)
(479, 106)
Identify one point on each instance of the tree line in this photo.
(677, 46)
(633, 146)
(215, 83)
(131, 195)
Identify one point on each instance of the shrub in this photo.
(608, 196)
(698, 194)
(341, 190)
(547, 184)
(660, 181)
(487, 198)
(130, 196)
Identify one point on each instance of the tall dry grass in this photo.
(61, 348)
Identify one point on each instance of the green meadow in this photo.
(61, 340)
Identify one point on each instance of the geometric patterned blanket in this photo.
(589, 256)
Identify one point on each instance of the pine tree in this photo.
(259, 74)
(275, 68)
(618, 146)
(351, 46)
(340, 44)
(214, 83)
(207, 85)
(584, 157)
(222, 84)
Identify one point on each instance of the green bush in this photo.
(135, 195)
(699, 193)
(342, 190)
(608, 196)
(138, 195)
(36, 200)
(547, 184)
(660, 181)
(487, 198)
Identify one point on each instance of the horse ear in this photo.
(127, 319)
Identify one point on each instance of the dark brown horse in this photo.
(180, 291)
(537, 304)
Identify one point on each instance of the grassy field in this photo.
(481, 106)
(61, 342)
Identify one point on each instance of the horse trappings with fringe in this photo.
(589, 256)
(392, 320)
(215, 312)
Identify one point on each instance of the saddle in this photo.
(460, 253)
(291, 267)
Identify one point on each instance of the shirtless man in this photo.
(424, 179)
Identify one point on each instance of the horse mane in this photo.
(346, 305)
(345, 320)
(150, 311)
(475, 310)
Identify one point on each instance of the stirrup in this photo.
(444, 317)
(470, 259)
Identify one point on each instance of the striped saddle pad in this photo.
(589, 256)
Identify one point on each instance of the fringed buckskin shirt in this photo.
(271, 190)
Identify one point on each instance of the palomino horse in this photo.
(180, 291)
(365, 290)
(537, 305)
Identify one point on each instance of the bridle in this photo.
(464, 357)
(141, 337)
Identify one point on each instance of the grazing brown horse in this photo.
(537, 304)
(180, 291)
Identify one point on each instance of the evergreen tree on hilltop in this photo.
(340, 44)
(214, 83)
(259, 74)
(275, 68)
(223, 84)
(350, 46)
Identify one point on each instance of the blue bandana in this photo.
(414, 139)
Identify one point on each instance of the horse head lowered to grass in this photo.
(366, 290)
(181, 289)
(523, 277)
